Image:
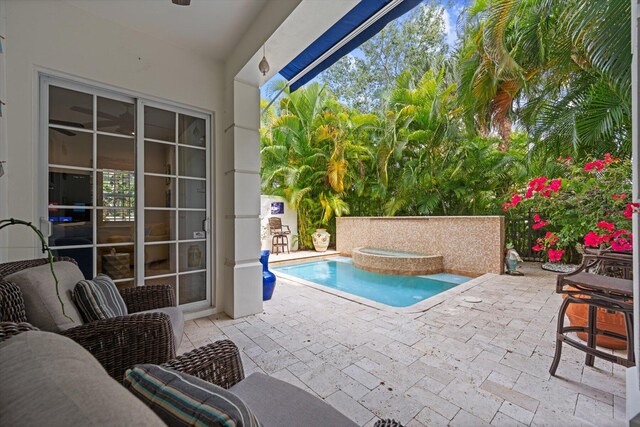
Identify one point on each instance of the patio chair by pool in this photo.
(280, 236)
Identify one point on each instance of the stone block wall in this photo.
(469, 245)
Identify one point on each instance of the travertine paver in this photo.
(458, 364)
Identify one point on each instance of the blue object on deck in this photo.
(389, 289)
(268, 278)
(341, 29)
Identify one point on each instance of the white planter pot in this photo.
(321, 239)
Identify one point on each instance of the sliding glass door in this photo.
(128, 187)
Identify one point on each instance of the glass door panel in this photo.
(192, 162)
(192, 288)
(115, 116)
(69, 148)
(159, 124)
(192, 131)
(159, 158)
(70, 108)
(159, 259)
(116, 153)
(91, 203)
(159, 226)
(192, 225)
(193, 193)
(159, 192)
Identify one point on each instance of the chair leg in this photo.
(559, 335)
(628, 319)
(592, 332)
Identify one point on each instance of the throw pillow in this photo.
(98, 299)
(183, 400)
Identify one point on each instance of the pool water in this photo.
(389, 289)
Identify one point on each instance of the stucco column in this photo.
(241, 165)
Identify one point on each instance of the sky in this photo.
(452, 9)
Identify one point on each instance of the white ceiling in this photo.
(208, 27)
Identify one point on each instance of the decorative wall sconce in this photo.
(263, 66)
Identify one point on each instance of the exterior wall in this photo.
(56, 36)
(469, 245)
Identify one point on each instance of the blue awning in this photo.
(349, 23)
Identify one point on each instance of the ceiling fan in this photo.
(124, 121)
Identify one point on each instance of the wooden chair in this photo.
(280, 236)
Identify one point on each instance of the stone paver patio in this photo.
(458, 364)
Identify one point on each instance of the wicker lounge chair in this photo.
(273, 401)
(117, 343)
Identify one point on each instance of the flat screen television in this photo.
(69, 189)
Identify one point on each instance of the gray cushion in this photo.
(184, 400)
(177, 321)
(49, 380)
(39, 291)
(280, 404)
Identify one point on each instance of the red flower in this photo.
(628, 211)
(606, 225)
(555, 254)
(529, 193)
(536, 218)
(619, 233)
(551, 238)
(597, 165)
(619, 196)
(537, 184)
(538, 248)
(621, 244)
(540, 224)
(515, 199)
(592, 239)
(608, 159)
(555, 184)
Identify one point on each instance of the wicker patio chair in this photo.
(117, 343)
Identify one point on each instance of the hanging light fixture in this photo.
(181, 2)
(263, 66)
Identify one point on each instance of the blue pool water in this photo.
(389, 289)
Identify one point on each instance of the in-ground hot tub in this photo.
(396, 262)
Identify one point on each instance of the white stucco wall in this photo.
(54, 35)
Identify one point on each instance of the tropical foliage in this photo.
(410, 126)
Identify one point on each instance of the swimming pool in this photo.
(389, 289)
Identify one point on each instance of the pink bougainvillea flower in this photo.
(515, 199)
(619, 233)
(628, 211)
(540, 224)
(597, 165)
(536, 218)
(555, 184)
(529, 193)
(608, 159)
(538, 248)
(606, 225)
(555, 254)
(606, 237)
(537, 184)
(551, 238)
(619, 196)
(621, 244)
(592, 239)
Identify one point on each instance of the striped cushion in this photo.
(184, 400)
(98, 299)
